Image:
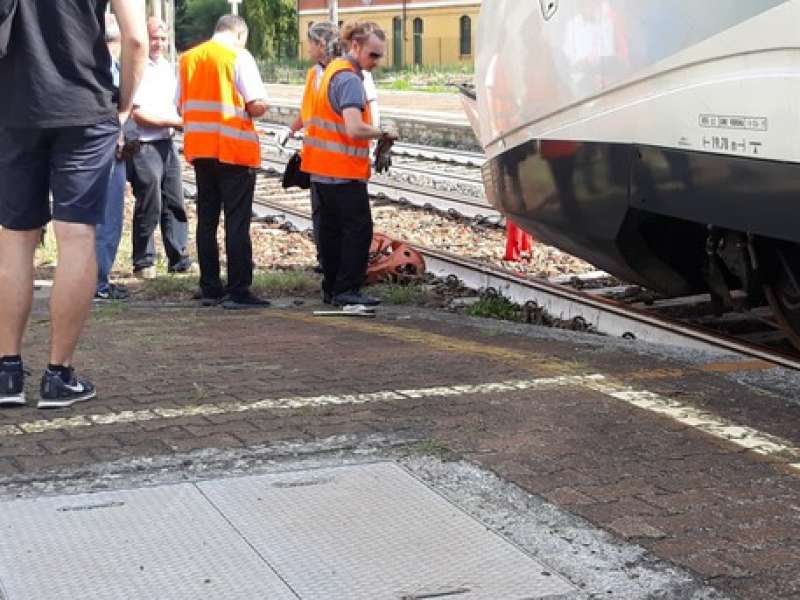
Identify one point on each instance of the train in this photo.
(657, 139)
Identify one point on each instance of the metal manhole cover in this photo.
(374, 532)
(370, 532)
(165, 542)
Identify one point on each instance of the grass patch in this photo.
(395, 293)
(109, 310)
(495, 306)
(432, 448)
(167, 287)
(296, 283)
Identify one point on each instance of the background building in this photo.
(420, 32)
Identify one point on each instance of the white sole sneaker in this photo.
(65, 402)
(13, 400)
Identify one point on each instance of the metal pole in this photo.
(169, 17)
(333, 11)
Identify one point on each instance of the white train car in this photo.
(658, 139)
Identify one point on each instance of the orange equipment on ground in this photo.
(390, 260)
(517, 241)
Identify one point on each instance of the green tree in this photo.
(195, 20)
(273, 28)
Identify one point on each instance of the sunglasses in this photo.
(375, 55)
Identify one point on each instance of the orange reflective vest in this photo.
(310, 90)
(215, 122)
(327, 149)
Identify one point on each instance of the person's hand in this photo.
(282, 137)
(389, 133)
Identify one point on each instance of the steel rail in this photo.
(605, 316)
(383, 187)
(457, 157)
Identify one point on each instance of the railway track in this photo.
(408, 192)
(557, 298)
(605, 316)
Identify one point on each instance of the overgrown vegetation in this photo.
(495, 306)
(395, 293)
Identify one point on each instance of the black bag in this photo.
(294, 176)
(8, 8)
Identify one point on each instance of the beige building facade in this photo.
(419, 32)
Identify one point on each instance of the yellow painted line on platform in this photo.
(736, 367)
(290, 403)
(436, 341)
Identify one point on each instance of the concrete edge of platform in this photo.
(429, 129)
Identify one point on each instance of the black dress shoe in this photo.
(354, 297)
(205, 300)
(244, 301)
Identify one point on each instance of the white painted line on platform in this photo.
(709, 423)
(745, 437)
(293, 402)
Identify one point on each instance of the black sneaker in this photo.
(354, 297)
(12, 384)
(57, 393)
(327, 297)
(111, 292)
(184, 265)
(205, 300)
(244, 301)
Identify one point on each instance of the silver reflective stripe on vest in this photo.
(330, 126)
(250, 136)
(216, 107)
(334, 147)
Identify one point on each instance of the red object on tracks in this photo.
(517, 241)
(393, 260)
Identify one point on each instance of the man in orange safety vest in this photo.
(336, 155)
(221, 92)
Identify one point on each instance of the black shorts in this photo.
(74, 163)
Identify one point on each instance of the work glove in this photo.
(383, 151)
(283, 136)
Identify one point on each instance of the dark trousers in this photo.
(315, 220)
(222, 186)
(155, 175)
(345, 234)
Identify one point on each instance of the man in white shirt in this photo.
(155, 171)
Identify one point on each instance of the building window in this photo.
(418, 31)
(465, 35)
(397, 42)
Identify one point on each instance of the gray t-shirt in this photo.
(346, 90)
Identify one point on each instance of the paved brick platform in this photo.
(634, 444)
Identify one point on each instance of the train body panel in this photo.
(720, 77)
(657, 139)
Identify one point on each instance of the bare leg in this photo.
(73, 289)
(16, 286)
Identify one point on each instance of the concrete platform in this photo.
(680, 472)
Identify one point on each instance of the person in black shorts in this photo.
(58, 134)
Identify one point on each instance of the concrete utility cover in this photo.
(368, 532)
(165, 542)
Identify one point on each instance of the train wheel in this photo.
(783, 291)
